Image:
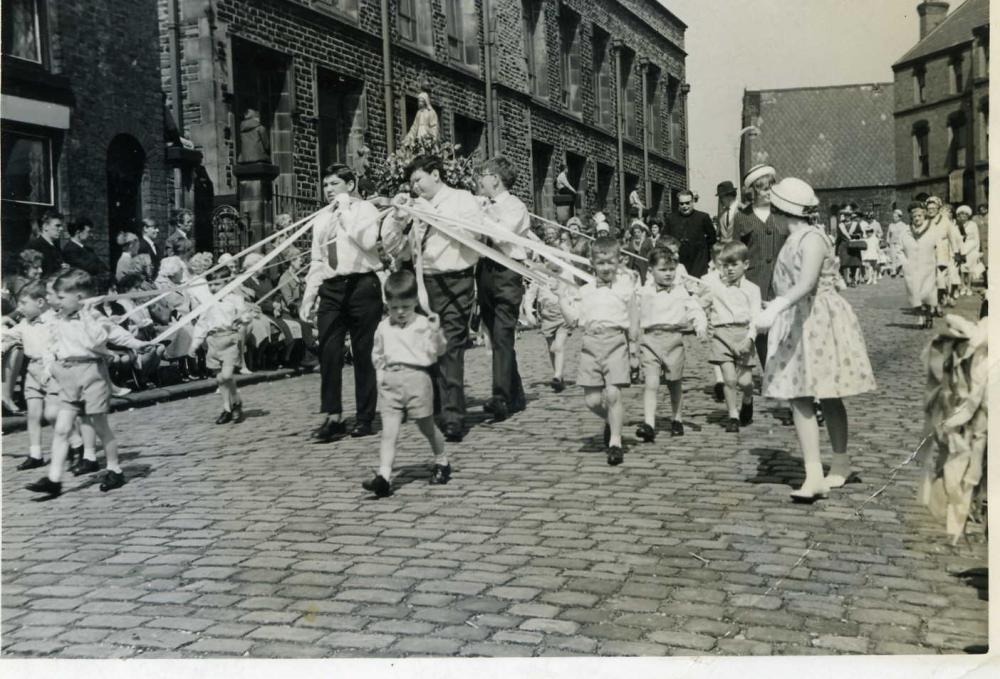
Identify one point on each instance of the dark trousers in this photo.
(500, 291)
(349, 304)
(451, 296)
(760, 342)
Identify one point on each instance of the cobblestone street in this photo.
(250, 540)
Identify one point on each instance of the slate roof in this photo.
(832, 137)
(954, 30)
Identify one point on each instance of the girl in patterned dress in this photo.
(815, 346)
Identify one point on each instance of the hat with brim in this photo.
(935, 200)
(755, 173)
(964, 210)
(602, 226)
(795, 197)
(725, 188)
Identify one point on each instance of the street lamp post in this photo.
(753, 131)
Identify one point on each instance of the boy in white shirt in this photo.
(550, 318)
(666, 310)
(712, 278)
(406, 346)
(80, 339)
(735, 303)
(608, 312)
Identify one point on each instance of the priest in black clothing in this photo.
(695, 232)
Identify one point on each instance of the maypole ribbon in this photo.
(235, 283)
(580, 233)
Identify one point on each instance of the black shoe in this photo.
(490, 406)
(720, 393)
(75, 455)
(746, 413)
(645, 432)
(499, 410)
(453, 432)
(238, 415)
(330, 430)
(557, 384)
(378, 485)
(607, 435)
(442, 474)
(820, 417)
(733, 425)
(615, 455)
(677, 428)
(362, 428)
(46, 486)
(31, 463)
(85, 467)
(224, 418)
(112, 480)
(518, 407)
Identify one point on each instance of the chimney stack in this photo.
(932, 13)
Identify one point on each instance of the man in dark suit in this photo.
(147, 243)
(695, 232)
(47, 242)
(728, 206)
(79, 255)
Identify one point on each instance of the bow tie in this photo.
(664, 288)
(395, 324)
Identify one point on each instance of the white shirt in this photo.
(86, 335)
(224, 314)
(733, 304)
(507, 212)
(355, 225)
(762, 213)
(669, 308)
(603, 306)
(34, 336)
(151, 244)
(416, 343)
(441, 254)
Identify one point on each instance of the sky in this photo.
(734, 45)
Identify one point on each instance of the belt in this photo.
(395, 367)
(461, 273)
(82, 359)
(349, 276)
(605, 331)
(731, 325)
(665, 328)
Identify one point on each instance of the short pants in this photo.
(604, 359)
(663, 350)
(84, 386)
(407, 390)
(726, 343)
(223, 346)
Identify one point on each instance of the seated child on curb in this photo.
(608, 312)
(405, 348)
(80, 344)
(734, 306)
(220, 328)
(666, 309)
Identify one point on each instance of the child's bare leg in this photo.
(75, 437)
(558, 349)
(731, 381)
(391, 423)
(226, 385)
(435, 438)
(60, 443)
(676, 398)
(35, 408)
(807, 429)
(593, 398)
(89, 441)
(615, 414)
(744, 380)
(649, 394)
(835, 415)
(103, 429)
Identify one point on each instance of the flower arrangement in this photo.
(459, 172)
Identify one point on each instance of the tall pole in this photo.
(685, 90)
(175, 92)
(620, 122)
(647, 189)
(489, 32)
(390, 127)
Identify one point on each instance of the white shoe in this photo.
(120, 391)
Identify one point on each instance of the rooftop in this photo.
(954, 30)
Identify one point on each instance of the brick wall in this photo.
(108, 51)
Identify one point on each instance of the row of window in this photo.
(957, 143)
(956, 73)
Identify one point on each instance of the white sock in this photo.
(35, 452)
(75, 441)
(90, 454)
(116, 469)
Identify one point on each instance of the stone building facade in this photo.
(942, 105)
(314, 69)
(82, 117)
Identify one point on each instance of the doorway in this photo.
(342, 119)
(126, 162)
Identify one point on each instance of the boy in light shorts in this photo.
(608, 312)
(406, 347)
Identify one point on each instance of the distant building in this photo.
(82, 116)
(942, 105)
(839, 139)
(597, 85)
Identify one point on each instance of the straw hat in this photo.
(793, 196)
(756, 172)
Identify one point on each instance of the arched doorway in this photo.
(125, 165)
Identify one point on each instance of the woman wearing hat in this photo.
(815, 346)
(894, 239)
(850, 234)
(640, 244)
(970, 259)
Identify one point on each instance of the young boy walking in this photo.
(406, 346)
(608, 312)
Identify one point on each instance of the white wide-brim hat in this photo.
(793, 196)
(755, 173)
(964, 209)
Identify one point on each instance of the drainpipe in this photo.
(390, 139)
(619, 125)
(685, 90)
(489, 29)
(174, 37)
(645, 132)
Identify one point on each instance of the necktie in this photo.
(331, 248)
(489, 241)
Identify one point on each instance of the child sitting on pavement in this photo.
(608, 312)
(406, 346)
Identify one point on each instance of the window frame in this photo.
(956, 74)
(533, 15)
(919, 84)
(603, 105)
(415, 41)
(920, 134)
(49, 144)
(42, 32)
(958, 130)
(331, 7)
(569, 47)
(466, 43)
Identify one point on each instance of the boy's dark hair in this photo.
(32, 290)
(661, 254)
(428, 163)
(78, 225)
(401, 285)
(342, 171)
(915, 205)
(48, 216)
(75, 280)
(717, 250)
(130, 281)
(604, 245)
(734, 251)
(503, 168)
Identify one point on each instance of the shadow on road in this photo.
(978, 578)
(777, 466)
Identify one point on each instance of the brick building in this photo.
(82, 116)
(839, 139)
(942, 105)
(542, 86)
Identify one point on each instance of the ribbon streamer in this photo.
(580, 233)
